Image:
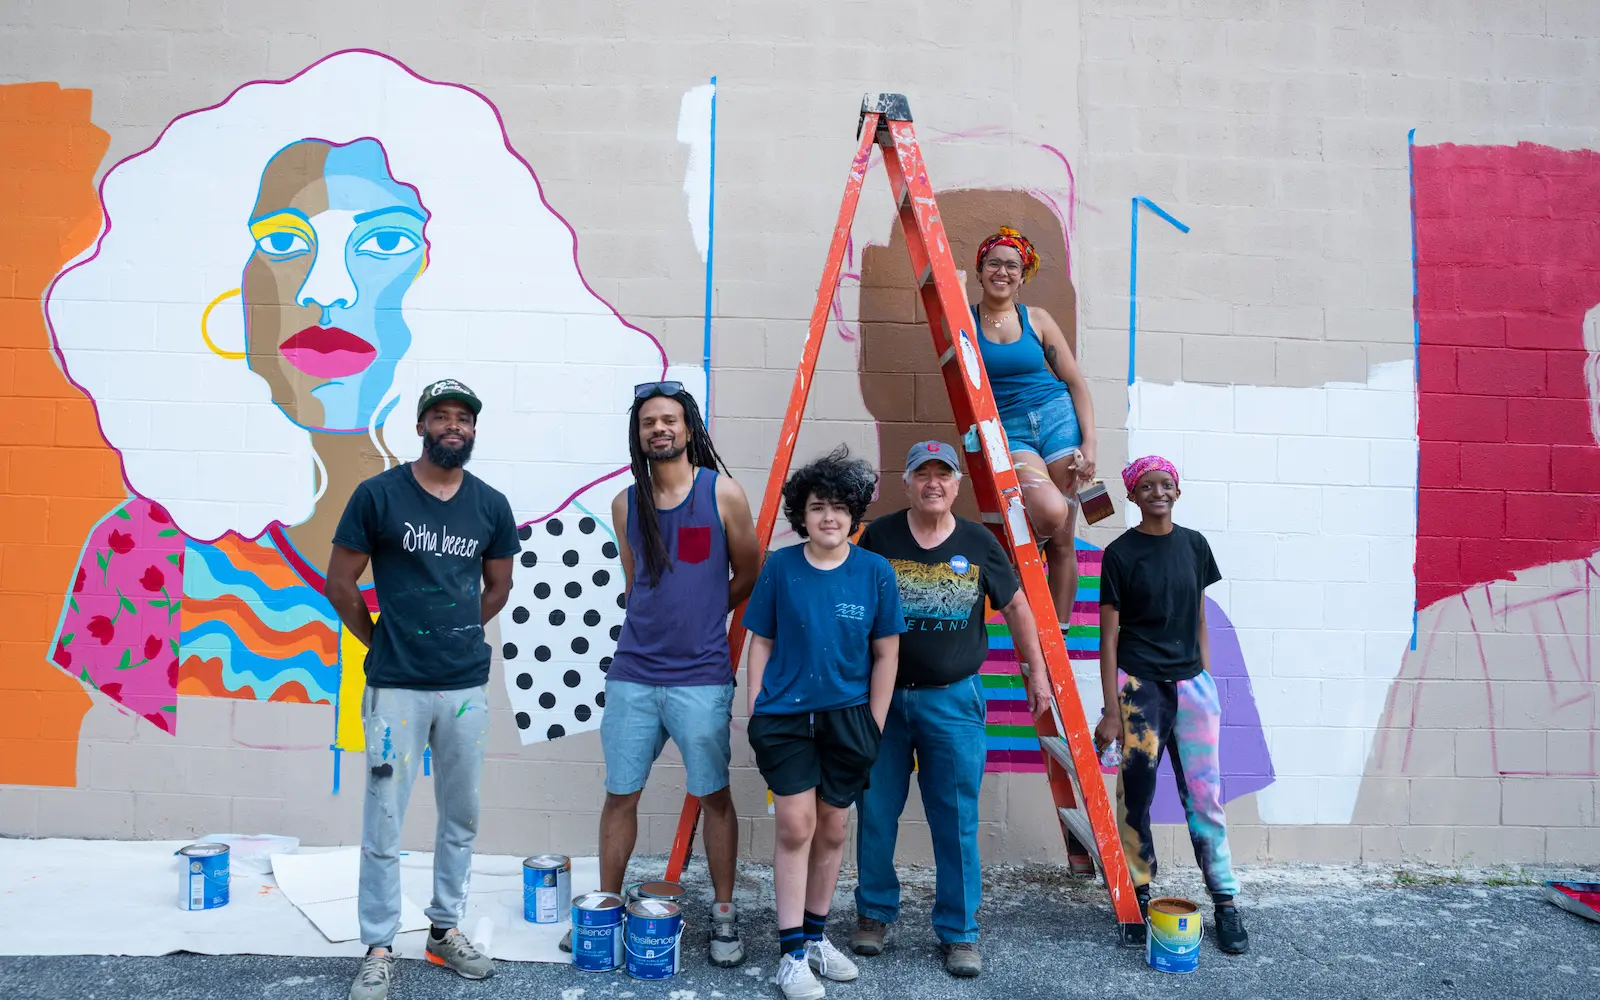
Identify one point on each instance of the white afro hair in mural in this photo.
(501, 304)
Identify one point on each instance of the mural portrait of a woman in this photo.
(273, 276)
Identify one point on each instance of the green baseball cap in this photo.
(447, 389)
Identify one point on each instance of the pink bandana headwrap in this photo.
(1150, 463)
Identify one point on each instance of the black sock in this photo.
(437, 933)
(813, 925)
(792, 940)
(1223, 900)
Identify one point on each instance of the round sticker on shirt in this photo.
(960, 564)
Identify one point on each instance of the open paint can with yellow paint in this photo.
(1173, 942)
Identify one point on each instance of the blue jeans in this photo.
(945, 728)
(1050, 430)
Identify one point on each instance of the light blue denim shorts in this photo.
(1050, 431)
(640, 717)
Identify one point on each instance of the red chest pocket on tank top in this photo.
(694, 544)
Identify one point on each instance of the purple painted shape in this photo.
(1246, 764)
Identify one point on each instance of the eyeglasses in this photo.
(1008, 266)
(645, 390)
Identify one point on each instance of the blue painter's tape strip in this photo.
(336, 768)
(1011, 743)
(711, 239)
(1416, 354)
(1133, 278)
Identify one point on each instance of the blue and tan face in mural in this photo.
(338, 241)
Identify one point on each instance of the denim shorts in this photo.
(1050, 431)
(640, 717)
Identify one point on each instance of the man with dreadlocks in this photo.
(689, 555)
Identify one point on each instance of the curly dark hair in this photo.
(837, 478)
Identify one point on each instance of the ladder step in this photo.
(927, 277)
(1078, 823)
(1056, 747)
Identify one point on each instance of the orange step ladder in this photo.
(1071, 764)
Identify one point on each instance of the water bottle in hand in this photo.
(1111, 756)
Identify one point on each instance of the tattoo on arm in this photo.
(1050, 355)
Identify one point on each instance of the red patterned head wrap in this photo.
(1008, 237)
(1150, 463)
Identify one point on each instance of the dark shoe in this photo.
(1232, 938)
(566, 942)
(962, 959)
(1142, 894)
(869, 937)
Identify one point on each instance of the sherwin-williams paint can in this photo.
(672, 892)
(1173, 941)
(546, 888)
(651, 935)
(203, 880)
(597, 932)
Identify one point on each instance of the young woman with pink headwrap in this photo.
(1160, 696)
(1043, 401)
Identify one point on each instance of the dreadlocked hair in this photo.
(701, 454)
(835, 478)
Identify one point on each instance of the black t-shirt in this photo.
(1156, 583)
(427, 565)
(941, 596)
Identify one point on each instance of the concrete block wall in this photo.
(1274, 361)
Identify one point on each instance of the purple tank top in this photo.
(675, 634)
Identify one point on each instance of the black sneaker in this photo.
(1232, 938)
(1142, 894)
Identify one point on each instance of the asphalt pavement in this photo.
(1334, 932)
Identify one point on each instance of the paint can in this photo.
(597, 932)
(546, 888)
(203, 878)
(653, 930)
(1173, 941)
(671, 892)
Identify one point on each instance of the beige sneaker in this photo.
(372, 982)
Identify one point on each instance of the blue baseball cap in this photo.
(924, 452)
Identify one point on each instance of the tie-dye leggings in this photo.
(1185, 719)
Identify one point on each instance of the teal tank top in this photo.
(1017, 371)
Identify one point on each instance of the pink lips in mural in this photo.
(328, 352)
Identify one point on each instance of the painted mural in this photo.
(276, 278)
(1502, 679)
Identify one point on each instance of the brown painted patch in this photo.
(56, 471)
(292, 179)
(900, 380)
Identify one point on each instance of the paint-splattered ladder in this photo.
(1071, 764)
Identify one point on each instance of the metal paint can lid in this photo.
(654, 909)
(598, 901)
(545, 862)
(204, 850)
(659, 890)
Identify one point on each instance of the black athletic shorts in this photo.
(832, 752)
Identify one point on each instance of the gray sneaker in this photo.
(455, 952)
(726, 950)
(372, 982)
(962, 959)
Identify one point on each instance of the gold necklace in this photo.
(996, 323)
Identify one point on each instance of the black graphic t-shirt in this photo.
(427, 565)
(1156, 583)
(941, 595)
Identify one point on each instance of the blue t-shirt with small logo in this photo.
(821, 623)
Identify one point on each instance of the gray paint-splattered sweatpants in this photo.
(399, 723)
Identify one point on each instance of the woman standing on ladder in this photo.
(1043, 400)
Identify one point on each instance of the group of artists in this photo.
(863, 661)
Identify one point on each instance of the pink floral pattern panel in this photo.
(119, 629)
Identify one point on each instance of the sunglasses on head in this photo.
(645, 390)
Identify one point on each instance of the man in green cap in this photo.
(441, 543)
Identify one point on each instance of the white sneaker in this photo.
(829, 962)
(795, 979)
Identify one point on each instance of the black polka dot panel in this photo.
(565, 617)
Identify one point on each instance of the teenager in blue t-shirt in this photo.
(825, 629)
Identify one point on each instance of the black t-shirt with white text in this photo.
(1156, 583)
(942, 591)
(427, 566)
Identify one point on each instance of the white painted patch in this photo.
(694, 131)
(1305, 496)
(572, 993)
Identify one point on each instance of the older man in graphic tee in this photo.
(946, 567)
(441, 544)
